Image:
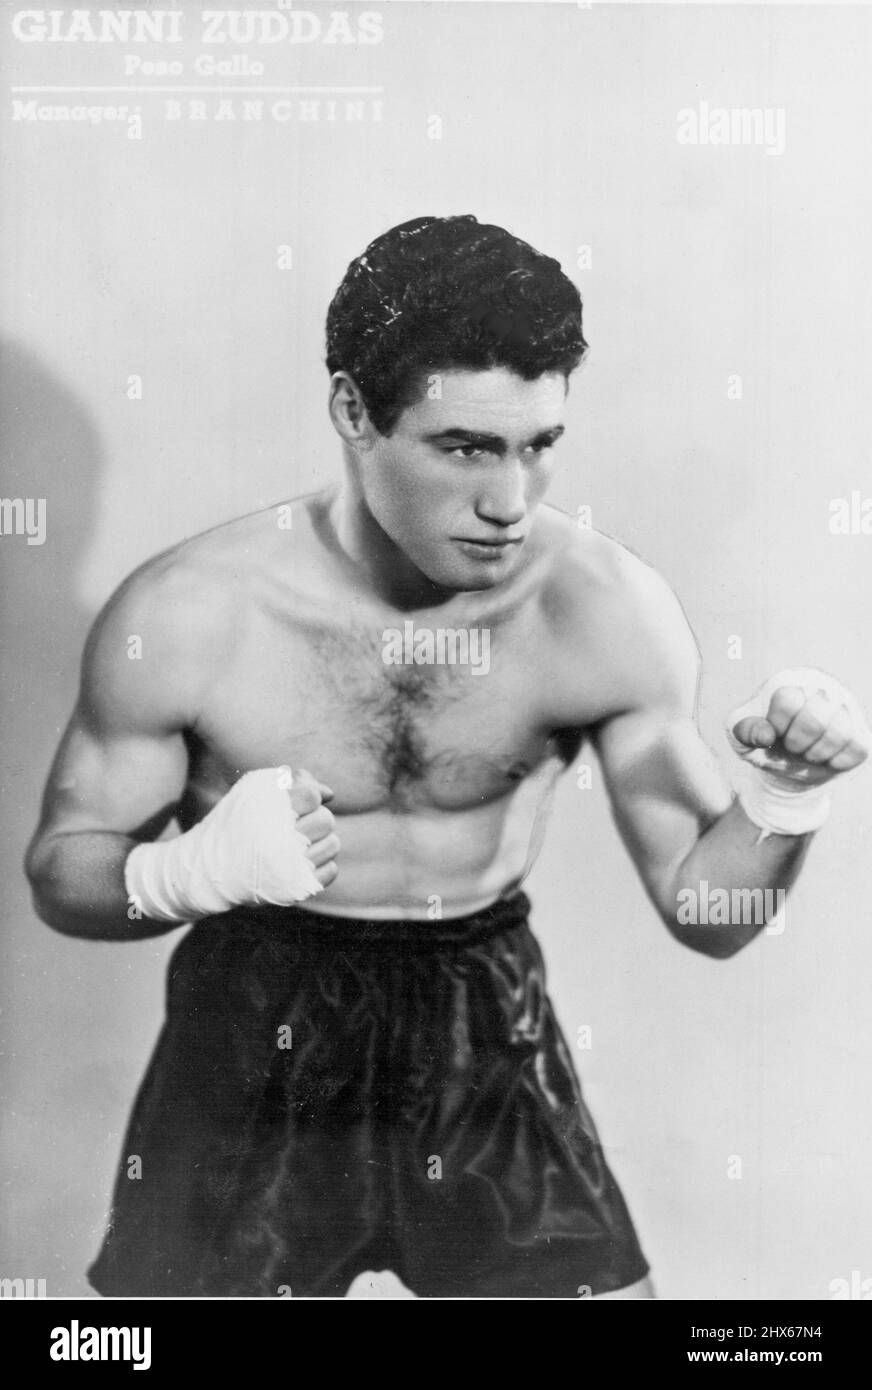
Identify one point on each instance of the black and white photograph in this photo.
(436, 541)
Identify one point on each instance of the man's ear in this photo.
(349, 413)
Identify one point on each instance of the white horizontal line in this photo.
(198, 89)
(599, 4)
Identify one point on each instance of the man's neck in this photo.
(385, 569)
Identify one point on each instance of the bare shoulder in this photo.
(168, 627)
(590, 572)
(194, 590)
(606, 605)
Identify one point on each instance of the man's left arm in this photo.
(707, 858)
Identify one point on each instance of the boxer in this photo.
(360, 1065)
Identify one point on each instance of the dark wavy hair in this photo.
(443, 292)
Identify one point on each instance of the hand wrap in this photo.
(246, 851)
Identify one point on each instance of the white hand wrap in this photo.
(246, 851)
(775, 795)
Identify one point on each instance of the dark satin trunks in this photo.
(330, 1096)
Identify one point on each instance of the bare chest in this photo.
(387, 717)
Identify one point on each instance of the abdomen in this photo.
(426, 862)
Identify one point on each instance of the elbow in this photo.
(46, 906)
(721, 950)
(53, 912)
(47, 902)
(35, 871)
(715, 924)
(713, 942)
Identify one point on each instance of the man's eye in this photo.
(467, 451)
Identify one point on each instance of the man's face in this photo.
(457, 484)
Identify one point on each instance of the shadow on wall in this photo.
(51, 454)
(51, 457)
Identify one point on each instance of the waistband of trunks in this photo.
(424, 934)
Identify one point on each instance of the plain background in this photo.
(158, 257)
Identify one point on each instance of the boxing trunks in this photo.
(333, 1095)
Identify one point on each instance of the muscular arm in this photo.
(122, 764)
(671, 804)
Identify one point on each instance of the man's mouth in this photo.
(491, 552)
(485, 546)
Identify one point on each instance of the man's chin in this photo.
(485, 578)
(471, 575)
(468, 572)
(485, 572)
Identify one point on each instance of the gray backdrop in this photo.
(157, 257)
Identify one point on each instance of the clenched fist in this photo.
(270, 839)
(315, 821)
(802, 725)
(801, 730)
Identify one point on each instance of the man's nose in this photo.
(504, 501)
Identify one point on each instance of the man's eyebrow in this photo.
(488, 441)
(468, 437)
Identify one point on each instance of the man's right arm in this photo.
(122, 763)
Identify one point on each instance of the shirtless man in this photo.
(376, 1078)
